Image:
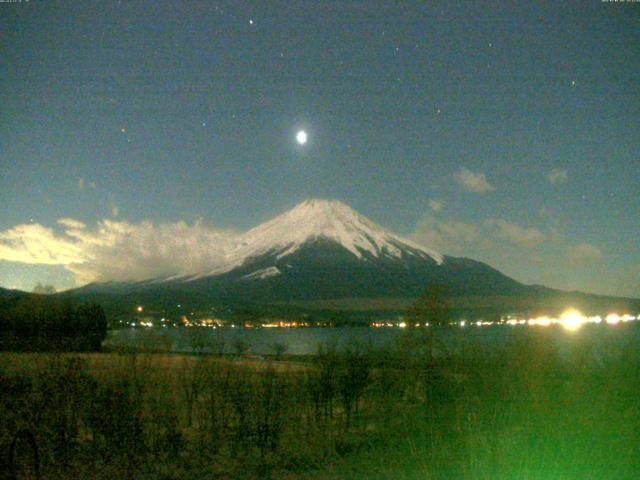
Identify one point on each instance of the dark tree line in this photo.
(35, 323)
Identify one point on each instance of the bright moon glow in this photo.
(301, 137)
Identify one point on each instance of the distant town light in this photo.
(139, 308)
(572, 320)
(613, 318)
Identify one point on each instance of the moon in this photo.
(301, 137)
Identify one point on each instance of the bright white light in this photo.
(301, 137)
(402, 325)
(543, 321)
(613, 318)
(572, 320)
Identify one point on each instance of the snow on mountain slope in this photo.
(314, 219)
(263, 273)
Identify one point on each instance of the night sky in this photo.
(508, 132)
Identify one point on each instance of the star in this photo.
(301, 137)
(123, 130)
(250, 22)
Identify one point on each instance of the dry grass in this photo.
(521, 411)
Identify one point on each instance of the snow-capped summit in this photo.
(321, 219)
(332, 220)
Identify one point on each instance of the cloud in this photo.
(118, 251)
(473, 182)
(557, 176)
(435, 205)
(35, 244)
(448, 236)
(486, 238)
(525, 253)
(583, 254)
(71, 223)
(526, 237)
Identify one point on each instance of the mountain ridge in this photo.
(323, 250)
(315, 218)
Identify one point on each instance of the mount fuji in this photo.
(324, 251)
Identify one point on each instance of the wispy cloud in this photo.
(558, 176)
(447, 236)
(487, 237)
(528, 253)
(526, 237)
(473, 182)
(115, 250)
(583, 254)
(71, 223)
(35, 244)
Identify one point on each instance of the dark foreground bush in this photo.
(41, 324)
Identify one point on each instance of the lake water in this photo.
(306, 341)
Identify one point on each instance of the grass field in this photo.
(519, 411)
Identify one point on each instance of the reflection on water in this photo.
(306, 341)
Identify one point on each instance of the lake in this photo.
(306, 341)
